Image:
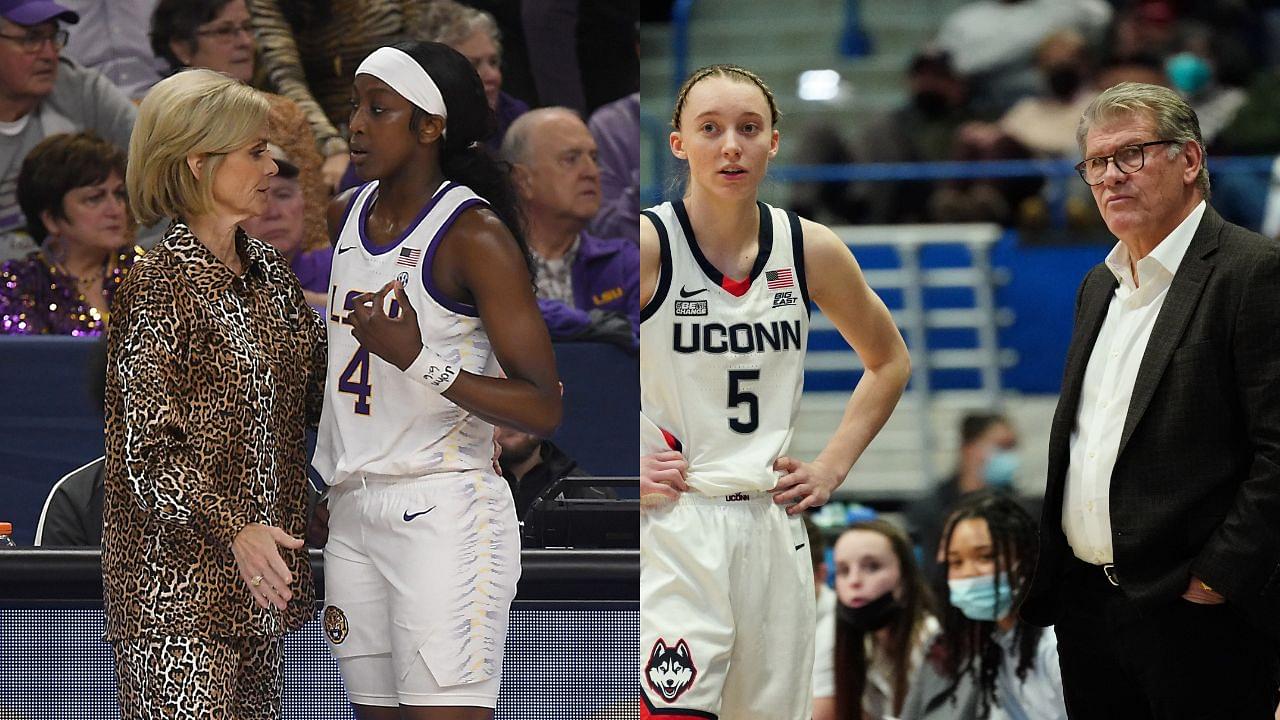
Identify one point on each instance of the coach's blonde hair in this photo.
(194, 112)
(1174, 119)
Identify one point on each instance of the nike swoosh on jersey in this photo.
(349, 247)
(408, 517)
(686, 294)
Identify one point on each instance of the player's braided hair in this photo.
(969, 646)
(733, 72)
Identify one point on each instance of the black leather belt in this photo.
(1091, 571)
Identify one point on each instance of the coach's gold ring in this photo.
(256, 580)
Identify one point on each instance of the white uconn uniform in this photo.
(424, 550)
(726, 584)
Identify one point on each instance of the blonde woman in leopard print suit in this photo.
(214, 365)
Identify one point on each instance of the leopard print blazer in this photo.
(211, 379)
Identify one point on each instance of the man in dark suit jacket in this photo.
(1160, 536)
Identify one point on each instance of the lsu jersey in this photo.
(722, 360)
(376, 420)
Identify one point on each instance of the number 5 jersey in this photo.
(722, 360)
(376, 420)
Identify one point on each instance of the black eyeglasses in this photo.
(32, 42)
(1129, 159)
(227, 32)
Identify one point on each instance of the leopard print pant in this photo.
(193, 678)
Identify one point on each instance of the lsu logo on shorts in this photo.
(335, 624)
(670, 671)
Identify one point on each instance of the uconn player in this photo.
(424, 551)
(726, 588)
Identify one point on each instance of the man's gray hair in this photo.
(1174, 119)
(452, 23)
(515, 143)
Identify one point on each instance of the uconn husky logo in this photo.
(670, 671)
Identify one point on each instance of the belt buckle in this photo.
(1109, 570)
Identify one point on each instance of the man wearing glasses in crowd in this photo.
(43, 94)
(1160, 538)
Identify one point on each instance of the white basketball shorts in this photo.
(419, 579)
(726, 610)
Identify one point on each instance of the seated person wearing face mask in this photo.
(988, 664)
(987, 458)
(884, 622)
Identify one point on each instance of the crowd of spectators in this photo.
(1008, 79)
(917, 611)
(72, 73)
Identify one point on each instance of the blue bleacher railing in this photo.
(680, 12)
(854, 42)
(1055, 171)
(656, 130)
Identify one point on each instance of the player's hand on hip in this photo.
(662, 477)
(394, 339)
(807, 485)
(260, 564)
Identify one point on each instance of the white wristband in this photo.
(433, 371)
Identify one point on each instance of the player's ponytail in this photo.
(463, 157)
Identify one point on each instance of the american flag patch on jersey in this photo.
(778, 279)
(409, 257)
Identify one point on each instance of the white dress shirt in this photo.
(1108, 387)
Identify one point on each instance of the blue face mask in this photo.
(977, 598)
(1001, 468)
(1189, 73)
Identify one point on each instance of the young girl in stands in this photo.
(726, 587)
(988, 663)
(884, 623)
(423, 552)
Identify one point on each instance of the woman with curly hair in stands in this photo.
(71, 189)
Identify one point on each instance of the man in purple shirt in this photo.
(588, 287)
(616, 128)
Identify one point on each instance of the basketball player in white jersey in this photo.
(726, 588)
(430, 291)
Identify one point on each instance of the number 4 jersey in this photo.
(376, 420)
(722, 360)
